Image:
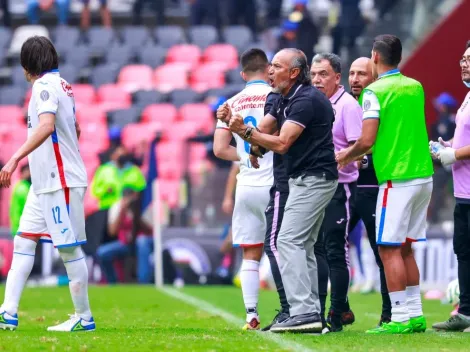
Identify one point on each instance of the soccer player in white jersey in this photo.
(253, 185)
(54, 209)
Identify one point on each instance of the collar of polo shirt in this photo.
(292, 91)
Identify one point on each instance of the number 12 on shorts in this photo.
(56, 215)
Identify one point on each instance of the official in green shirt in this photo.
(394, 126)
(109, 178)
(18, 198)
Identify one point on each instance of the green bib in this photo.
(401, 150)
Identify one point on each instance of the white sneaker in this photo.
(74, 324)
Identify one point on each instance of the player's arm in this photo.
(222, 147)
(299, 117)
(44, 130)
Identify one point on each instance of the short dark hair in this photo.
(389, 47)
(300, 61)
(38, 55)
(333, 59)
(254, 60)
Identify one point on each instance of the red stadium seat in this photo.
(187, 53)
(84, 94)
(135, 77)
(197, 152)
(223, 53)
(171, 76)
(113, 93)
(208, 76)
(90, 203)
(170, 169)
(169, 151)
(183, 130)
(133, 134)
(164, 113)
(170, 192)
(91, 113)
(200, 113)
(115, 105)
(11, 114)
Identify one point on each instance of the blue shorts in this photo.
(103, 2)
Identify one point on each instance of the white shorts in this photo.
(249, 219)
(57, 217)
(401, 213)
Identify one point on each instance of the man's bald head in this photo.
(289, 66)
(360, 75)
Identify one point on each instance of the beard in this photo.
(280, 87)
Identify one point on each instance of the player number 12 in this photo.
(56, 210)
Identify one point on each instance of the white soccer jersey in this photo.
(56, 163)
(249, 103)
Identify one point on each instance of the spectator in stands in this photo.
(126, 226)
(6, 13)
(243, 9)
(18, 198)
(350, 26)
(208, 10)
(158, 6)
(62, 7)
(132, 232)
(444, 127)
(273, 12)
(107, 184)
(300, 31)
(104, 11)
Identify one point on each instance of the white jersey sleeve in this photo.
(370, 105)
(249, 103)
(55, 164)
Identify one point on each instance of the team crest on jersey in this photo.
(367, 105)
(245, 101)
(67, 88)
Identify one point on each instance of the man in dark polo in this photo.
(305, 137)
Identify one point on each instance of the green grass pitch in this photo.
(141, 318)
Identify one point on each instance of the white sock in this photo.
(24, 251)
(77, 272)
(413, 301)
(249, 277)
(400, 312)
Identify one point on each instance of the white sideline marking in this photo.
(232, 319)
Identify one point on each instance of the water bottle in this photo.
(436, 147)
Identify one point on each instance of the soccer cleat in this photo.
(8, 321)
(418, 324)
(384, 319)
(334, 322)
(74, 324)
(392, 328)
(348, 318)
(306, 323)
(455, 323)
(279, 318)
(253, 324)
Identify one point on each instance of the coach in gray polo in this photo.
(305, 119)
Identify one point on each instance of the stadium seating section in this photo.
(144, 81)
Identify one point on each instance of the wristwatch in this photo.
(365, 162)
(248, 133)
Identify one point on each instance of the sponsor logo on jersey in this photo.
(245, 101)
(67, 88)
